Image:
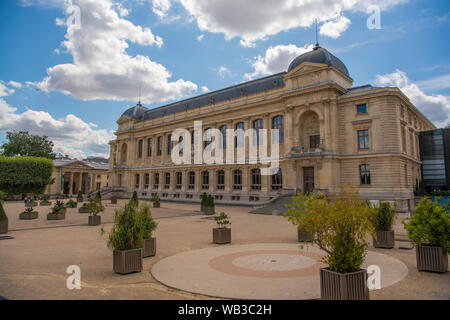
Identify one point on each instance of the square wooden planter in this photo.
(94, 220)
(113, 201)
(431, 258)
(56, 216)
(156, 205)
(208, 210)
(303, 235)
(221, 235)
(128, 261)
(29, 216)
(385, 240)
(4, 226)
(83, 210)
(149, 247)
(343, 286)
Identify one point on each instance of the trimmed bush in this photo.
(384, 216)
(95, 206)
(20, 175)
(148, 223)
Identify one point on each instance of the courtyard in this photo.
(264, 260)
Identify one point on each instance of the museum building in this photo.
(331, 135)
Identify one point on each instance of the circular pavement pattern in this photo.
(259, 271)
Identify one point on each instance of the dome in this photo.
(319, 55)
(137, 112)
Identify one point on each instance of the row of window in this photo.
(277, 180)
(258, 125)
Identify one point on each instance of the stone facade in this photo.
(334, 135)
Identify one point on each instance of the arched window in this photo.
(205, 180)
(220, 180)
(147, 180)
(169, 144)
(277, 180)
(208, 138)
(223, 131)
(149, 147)
(191, 180)
(237, 180)
(239, 139)
(258, 125)
(278, 123)
(138, 180)
(140, 148)
(256, 179)
(167, 182)
(179, 180)
(160, 146)
(156, 181)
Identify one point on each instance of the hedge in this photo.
(20, 175)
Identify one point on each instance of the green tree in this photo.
(24, 144)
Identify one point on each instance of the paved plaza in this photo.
(264, 260)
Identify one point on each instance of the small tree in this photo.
(430, 224)
(204, 199)
(384, 216)
(209, 201)
(95, 206)
(24, 144)
(147, 221)
(58, 208)
(155, 199)
(128, 231)
(98, 195)
(222, 220)
(80, 195)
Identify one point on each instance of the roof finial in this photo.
(139, 103)
(317, 36)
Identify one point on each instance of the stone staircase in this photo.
(276, 207)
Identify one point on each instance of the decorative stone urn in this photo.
(343, 286)
(127, 261)
(149, 249)
(430, 258)
(221, 235)
(385, 240)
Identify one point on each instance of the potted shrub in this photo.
(28, 214)
(45, 203)
(339, 227)
(95, 207)
(294, 215)
(71, 204)
(149, 225)
(31, 203)
(84, 208)
(98, 195)
(222, 234)
(126, 239)
(383, 221)
(135, 199)
(208, 205)
(156, 201)
(80, 196)
(429, 231)
(58, 211)
(3, 220)
(203, 201)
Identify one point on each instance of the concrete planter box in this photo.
(45, 204)
(94, 220)
(56, 216)
(385, 240)
(303, 235)
(431, 258)
(127, 261)
(221, 235)
(4, 226)
(156, 205)
(149, 249)
(29, 216)
(79, 199)
(208, 210)
(343, 286)
(31, 204)
(113, 201)
(83, 210)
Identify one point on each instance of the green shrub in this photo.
(58, 208)
(134, 199)
(28, 211)
(222, 220)
(384, 216)
(209, 201)
(155, 198)
(147, 221)
(339, 227)
(45, 201)
(95, 206)
(204, 198)
(80, 195)
(3, 216)
(128, 231)
(430, 224)
(20, 175)
(98, 195)
(71, 204)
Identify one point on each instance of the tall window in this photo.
(179, 180)
(278, 123)
(239, 139)
(237, 180)
(363, 139)
(314, 141)
(140, 146)
(160, 146)
(277, 180)
(169, 144)
(208, 138)
(149, 147)
(361, 108)
(258, 126)
(156, 181)
(220, 180)
(256, 179)
(205, 180)
(167, 183)
(223, 131)
(191, 180)
(364, 170)
(181, 143)
(147, 180)
(138, 180)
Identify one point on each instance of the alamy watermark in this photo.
(73, 282)
(73, 21)
(374, 20)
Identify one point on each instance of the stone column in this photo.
(184, 186)
(228, 180)
(71, 184)
(245, 178)
(288, 130)
(212, 180)
(80, 182)
(198, 180)
(265, 183)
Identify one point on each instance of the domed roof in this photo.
(319, 55)
(137, 112)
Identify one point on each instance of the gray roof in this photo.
(94, 165)
(319, 55)
(363, 88)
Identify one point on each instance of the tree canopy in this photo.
(24, 144)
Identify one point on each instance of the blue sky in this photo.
(72, 82)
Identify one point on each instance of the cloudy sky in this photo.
(70, 68)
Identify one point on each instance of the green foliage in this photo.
(28, 211)
(204, 198)
(24, 144)
(98, 195)
(440, 193)
(58, 208)
(95, 206)
(430, 224)
(222, 220)
(148, 223)
(134, 200)
(420, 190)
(2, 195)
(129, 230)
(80, 195)
(155, 198)
(71, 204)
(338, 226)
(384, 216)
(3, 216)
(25, 174)
(45, 201)
(207, 200)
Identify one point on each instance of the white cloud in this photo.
(435, 107)
(438, 83)
(200, 37)
(15, 84)
(101, 67)
(253, 20)
(160, 7)
(335, 28)
(205, 89)
(276, 59)
(4, 90)
(223, 71)
(70, 135)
